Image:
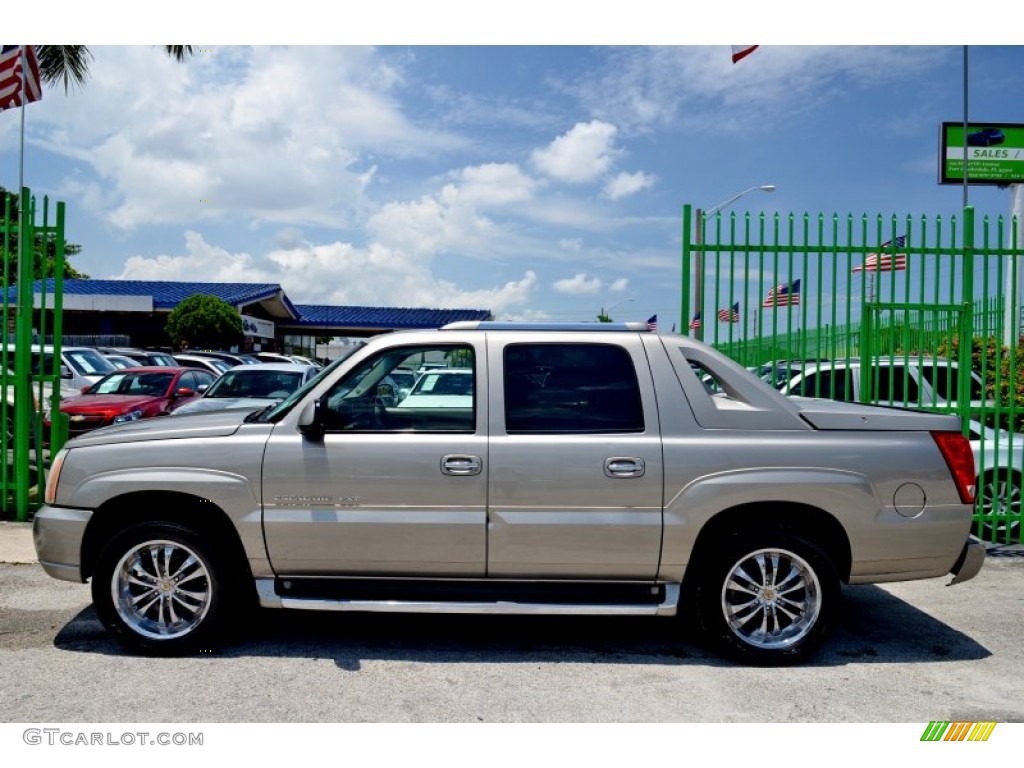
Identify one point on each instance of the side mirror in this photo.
(65, 372)
(311, 422)
(184, 392)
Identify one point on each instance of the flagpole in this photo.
(965, 127)
(21, 153)
(22, 324)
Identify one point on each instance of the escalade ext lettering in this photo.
(573, 469)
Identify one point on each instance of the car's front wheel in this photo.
(768, 597)
(159, 589)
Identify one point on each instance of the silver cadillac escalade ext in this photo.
(587, 469)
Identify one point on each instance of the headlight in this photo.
(50, 496)
(131, 416)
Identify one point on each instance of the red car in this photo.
(133, 393)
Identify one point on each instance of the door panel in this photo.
(396, 486)
(374, 504)
(576, 470)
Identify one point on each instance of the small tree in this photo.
(204, 321)
(44, 251)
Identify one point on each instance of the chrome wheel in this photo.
(161, 589)
(771, 599)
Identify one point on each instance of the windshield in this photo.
(88, 362)
(134, 384)
(277, 412)
(256, 383)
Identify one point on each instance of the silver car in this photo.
(251, 386)
(586, 470)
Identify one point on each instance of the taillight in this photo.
(956, 450)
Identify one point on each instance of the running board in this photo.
(270, 597)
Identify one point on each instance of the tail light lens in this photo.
(956, 450)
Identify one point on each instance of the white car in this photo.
(999, 462)
(80, 367)
(441, 388)
(913, 382)
(251, 386)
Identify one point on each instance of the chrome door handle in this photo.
(624, 466)
(458, 464)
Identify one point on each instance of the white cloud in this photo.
(267, 134)
(649, 87)
(626, 184)
(577, 284)
(585, 153)
(331, 273)
(213, 263)
(582, 284)
(490, 184)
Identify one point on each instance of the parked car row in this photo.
(100, 386)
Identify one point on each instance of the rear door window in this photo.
(571, 388)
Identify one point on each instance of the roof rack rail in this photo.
(499, 325)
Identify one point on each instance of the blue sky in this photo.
(540, 182)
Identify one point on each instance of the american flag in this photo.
(652, 323)
(730, 314)
(11, 65)
(695, 323)
(886, 262)
(740, 51)
(783, 295)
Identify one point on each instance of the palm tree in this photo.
(69, 64)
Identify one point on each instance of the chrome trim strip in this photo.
(270, 599)
(500, 607)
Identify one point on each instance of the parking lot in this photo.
(911, 652)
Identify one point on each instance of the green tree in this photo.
(69, 64)
(44, 249)
(203, 321)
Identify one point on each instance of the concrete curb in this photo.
(16, 543)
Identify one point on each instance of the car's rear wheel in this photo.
(999, 499)
(159, 589)
(768, 597)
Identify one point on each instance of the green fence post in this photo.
(964, 362)
(22, 357)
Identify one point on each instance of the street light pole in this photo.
(698, 285)
(613, 306)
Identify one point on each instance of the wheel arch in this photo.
(805, 520)
(201, 515)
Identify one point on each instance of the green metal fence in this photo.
(31, 247)
(909, 311)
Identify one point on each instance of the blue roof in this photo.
(327, 316)
(167, 294)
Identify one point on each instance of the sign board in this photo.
(257, 327)
(995, 153)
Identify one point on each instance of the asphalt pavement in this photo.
(906, 652)
(16, 543)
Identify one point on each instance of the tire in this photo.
(160, 590)
(768, 597)
(999, 495)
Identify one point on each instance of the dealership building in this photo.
(134, 312)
